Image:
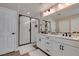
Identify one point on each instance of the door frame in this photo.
(30, 28)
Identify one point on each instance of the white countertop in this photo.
(69, 38)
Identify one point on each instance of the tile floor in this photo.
(27, 50)
(37, 52)
(31, 50)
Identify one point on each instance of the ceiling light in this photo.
(64, 5)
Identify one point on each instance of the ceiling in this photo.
(67, 12)
(35, 9)
(28, 9)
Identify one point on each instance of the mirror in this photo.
(45, 26)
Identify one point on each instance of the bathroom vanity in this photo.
(57, 45)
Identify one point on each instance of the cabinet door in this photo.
(49, 45)
(70, 50)
(57, 49)
(41, 42)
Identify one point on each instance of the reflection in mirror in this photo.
(45, 27)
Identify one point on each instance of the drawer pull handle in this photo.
(48, 43)
(39, 39)
(47, 37)
(60, 47)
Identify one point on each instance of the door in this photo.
(34, 30)
(24, 30)
(8, 20)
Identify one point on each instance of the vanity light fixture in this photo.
(50, 11)
(28, 13)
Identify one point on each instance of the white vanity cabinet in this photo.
(53, 46)
(68, 50)
(45, 43)
(49, 45)
(61, 49)
(58, 46)
(67, 47)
